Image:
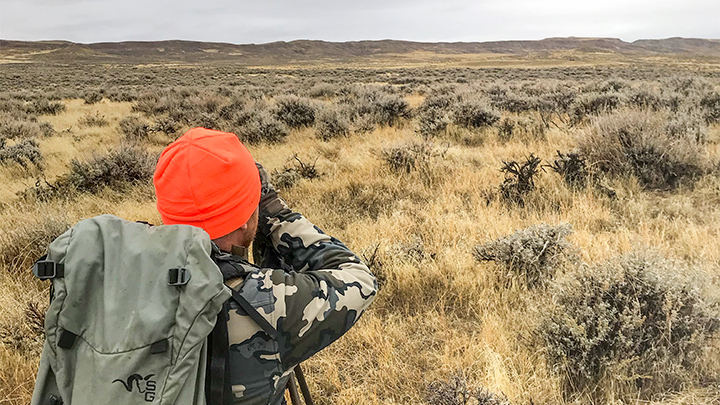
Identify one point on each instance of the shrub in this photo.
(457, 391)
(636, 326)
(166, 125)
(323, 90)
(572, 168)
(262, 127)
(23, 153)
(93, 120)
(505, 130)
(408, 157)
(20, 129)
(645, 98)
(285, 179)
(116, 169)
(711, 105)
(432, 121)
(93, 97)
(331, 125)
(593, 104)
(295, 112)
(474, 114)
(134, 128)
(639, 143)
(519, 179)
(389, 108)
(533, 254)
(44, 107)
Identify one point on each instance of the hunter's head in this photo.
(208, 179)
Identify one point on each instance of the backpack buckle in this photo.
(48, 269)
(178, 277)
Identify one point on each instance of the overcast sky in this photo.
(260, 21)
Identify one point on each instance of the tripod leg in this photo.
(292, 387)
(303, 385)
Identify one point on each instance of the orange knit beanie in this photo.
(207, 179)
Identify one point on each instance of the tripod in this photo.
(293, 387)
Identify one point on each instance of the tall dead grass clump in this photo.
(421, 160)
(631, 327)
(640, 143)
(93, 120)
(25, 242)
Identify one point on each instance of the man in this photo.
(308, 285)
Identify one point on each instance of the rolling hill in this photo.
(303, 51)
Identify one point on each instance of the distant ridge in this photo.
(314, 51)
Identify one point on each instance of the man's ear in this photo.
(244, 227)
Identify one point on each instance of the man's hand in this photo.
(270, 203)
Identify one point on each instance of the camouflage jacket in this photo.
(308, 285)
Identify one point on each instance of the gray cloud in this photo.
(342, 20)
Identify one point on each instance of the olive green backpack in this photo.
(131, 316)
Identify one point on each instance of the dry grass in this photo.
(439, 312)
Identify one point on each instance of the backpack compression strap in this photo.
(217, 389)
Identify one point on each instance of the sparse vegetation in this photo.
(477, 266)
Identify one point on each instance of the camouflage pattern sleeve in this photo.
(325, 287)
(308, 285)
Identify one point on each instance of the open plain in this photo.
(543, 219)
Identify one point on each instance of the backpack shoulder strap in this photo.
(233, 266)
